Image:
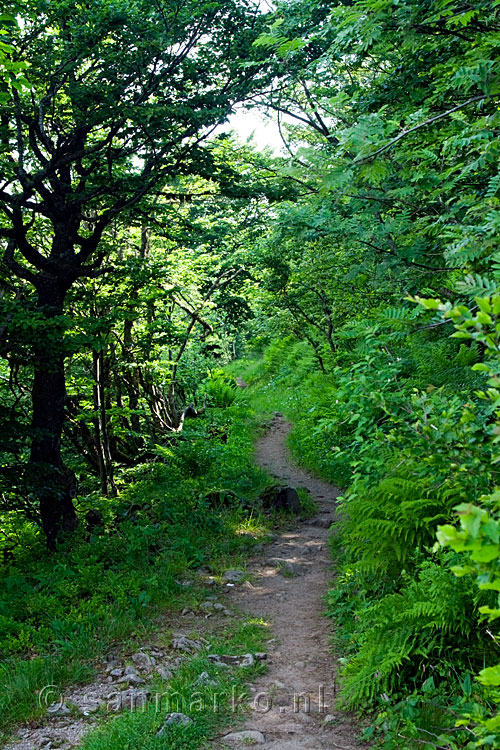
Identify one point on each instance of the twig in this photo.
(423, 742)
(422, 125)
(439, 323)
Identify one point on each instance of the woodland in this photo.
(149, 258)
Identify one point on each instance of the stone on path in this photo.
(143, 660)
(182, 643)
(281, 498)
(286, 567)
(131, 700)
(246, 660)
(247, 736)
(233, 576)
(59, 709)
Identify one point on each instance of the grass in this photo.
(60, 613)
(286, 379)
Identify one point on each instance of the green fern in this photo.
(474, 285)
(383, 526)
(221, 392)
(399, 637)
(493, 187)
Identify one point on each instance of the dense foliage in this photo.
(141, 252)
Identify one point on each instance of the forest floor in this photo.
(293, 704)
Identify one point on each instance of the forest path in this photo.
(301, 665)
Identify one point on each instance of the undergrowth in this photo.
(60, 613)
(400, 423)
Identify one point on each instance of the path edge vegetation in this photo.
(407, 665)
(125, 588)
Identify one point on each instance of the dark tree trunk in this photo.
(55, 484)
(131, 377)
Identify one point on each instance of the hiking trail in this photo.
(301, 666)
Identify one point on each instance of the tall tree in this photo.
(122, 97)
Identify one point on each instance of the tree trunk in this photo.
(101, 423)
(55, 484)
(131, 377)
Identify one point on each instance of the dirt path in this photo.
(300, 664)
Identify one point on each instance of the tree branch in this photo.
(404, 133)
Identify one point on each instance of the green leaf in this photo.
(490, 676)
